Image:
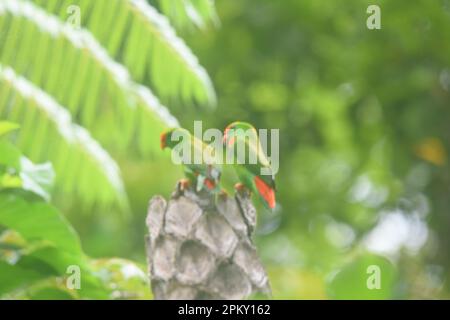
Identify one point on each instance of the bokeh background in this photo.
(364, 125)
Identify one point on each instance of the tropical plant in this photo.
(84, 80)
(40, 252)
(78, 91)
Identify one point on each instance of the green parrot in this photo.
(203, 175)
(248, 171)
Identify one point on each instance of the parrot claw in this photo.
(242, 189)
(184, 184)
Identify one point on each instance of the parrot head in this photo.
(163, 140)
(171, 137)
(237, 129)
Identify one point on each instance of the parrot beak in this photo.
(163, 141)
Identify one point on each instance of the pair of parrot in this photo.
(206, 176)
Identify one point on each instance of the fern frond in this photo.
(184, 14)
(82, 166)
(76, 70)
(141, 38)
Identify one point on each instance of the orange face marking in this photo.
(163, 140)
(266, 192)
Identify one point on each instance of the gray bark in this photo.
(200, 247)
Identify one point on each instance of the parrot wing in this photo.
(201, 173)
(250, 174)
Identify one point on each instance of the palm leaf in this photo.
(72, 66)
(184, 14)
(83, 167)
(141, 38)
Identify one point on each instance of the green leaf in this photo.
(92, 286)
(38, 221)
(9, 155)
(50, 293)
(37, 178)
(80, 74)
(48, 133)
(6, 127)
(21, 172)
(144, 41)
(45, 244)
(13, 277)
(185, 14)
(367, 277)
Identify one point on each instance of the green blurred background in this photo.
(364, 127)
(364, 119)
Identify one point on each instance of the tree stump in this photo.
(200, 247)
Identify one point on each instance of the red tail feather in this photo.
(210, 184)
(266, 192)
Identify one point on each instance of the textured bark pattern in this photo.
(200, 247)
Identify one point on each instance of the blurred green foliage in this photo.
(364, 121)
